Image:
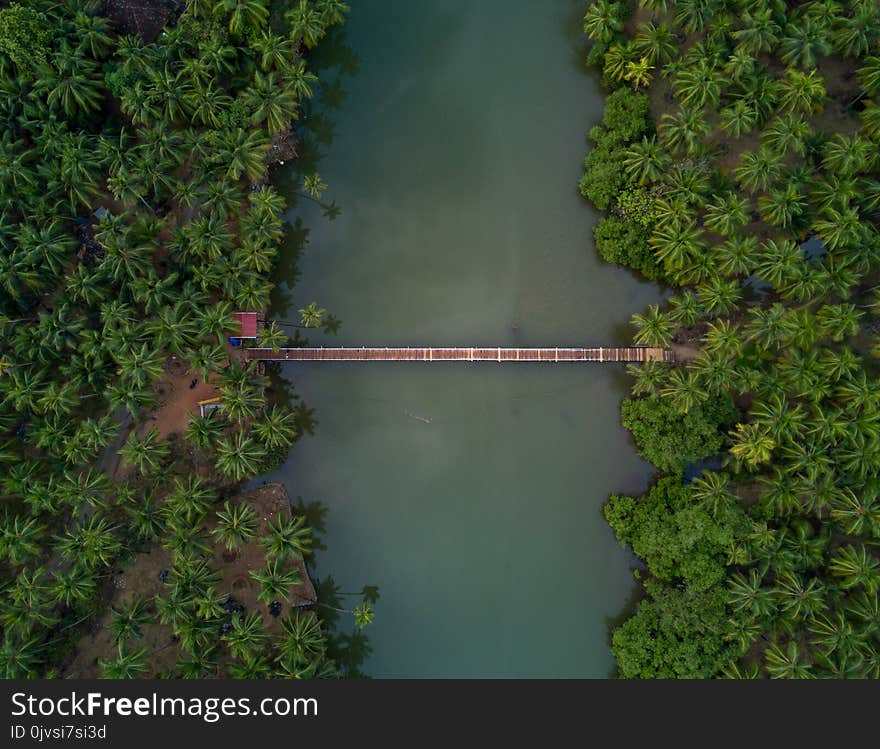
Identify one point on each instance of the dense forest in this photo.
(135, 216)
(738, 164)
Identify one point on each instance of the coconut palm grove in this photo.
(136, 215)
(737, 165)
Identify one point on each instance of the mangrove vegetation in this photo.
(738, 163)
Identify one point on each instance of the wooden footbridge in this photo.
(483, 353)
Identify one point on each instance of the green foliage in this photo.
(675, 533)
(745, 169)
(675, 634)
(669, 439)
(625, 119)
(626, 243)
(26, 35)
(130, 231)
(637, 205)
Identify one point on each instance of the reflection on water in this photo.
(451, 135)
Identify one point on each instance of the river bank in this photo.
(480, 520)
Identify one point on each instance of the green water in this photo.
(454, 156)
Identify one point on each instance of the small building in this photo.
(208, 405)
(247, 322)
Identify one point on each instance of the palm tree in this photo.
(74, 586)
(126, 664)
(242, 401)
(645, 161)
(716, 371)
(236, 525)
(787, 133)
(204, 431)
(129, 618)
(173, 329)
(747, 596)
(786, 664)
(243, 153)
(782, 419)
(799, 599)
(275, 428)
(200, 664)
(247, 634)
(603, 20)
(275, 51)
(306, 23)
(275, 582)
(271, 102)
(855, 567)
(840, 228)
(130, 397)
(685, 130)
(243, 14)
(839, 321)
(856, 34)
(272, 336)
(835, 636)
(760, 33)
(207, 359)
(783, 207)
(144, 519)
(303, 641)
(739, 118)
(653, 329)
(19, 657)
(869, 74)
(844, 156)
(752, 444)
(777, 261)
(76, 87)
(647, 377)
(712, 490)
(684, 390)
(146, 453)
(656, 43)
(735, 256)
(699, 86)
(801, 92)
(676, 244)
(719, 296)
(239, 456)
(684, 308)
(20, 537)
(287, 537)
(638, 72)
(757, 170)
(189, 500)
(858, 513)
(804, 42)
(693, 15)
(90, 541)
(250, 666)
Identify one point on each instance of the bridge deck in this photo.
(481, 353)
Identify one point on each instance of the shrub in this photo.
(626, 243)
(674, 634)
(625, 119)
(670, 439)
(675, 533)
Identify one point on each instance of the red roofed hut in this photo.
(247, 321)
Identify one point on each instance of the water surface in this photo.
(455, 157)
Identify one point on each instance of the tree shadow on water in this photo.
(573, 28)
(335, 52)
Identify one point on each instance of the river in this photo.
(451, 135)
